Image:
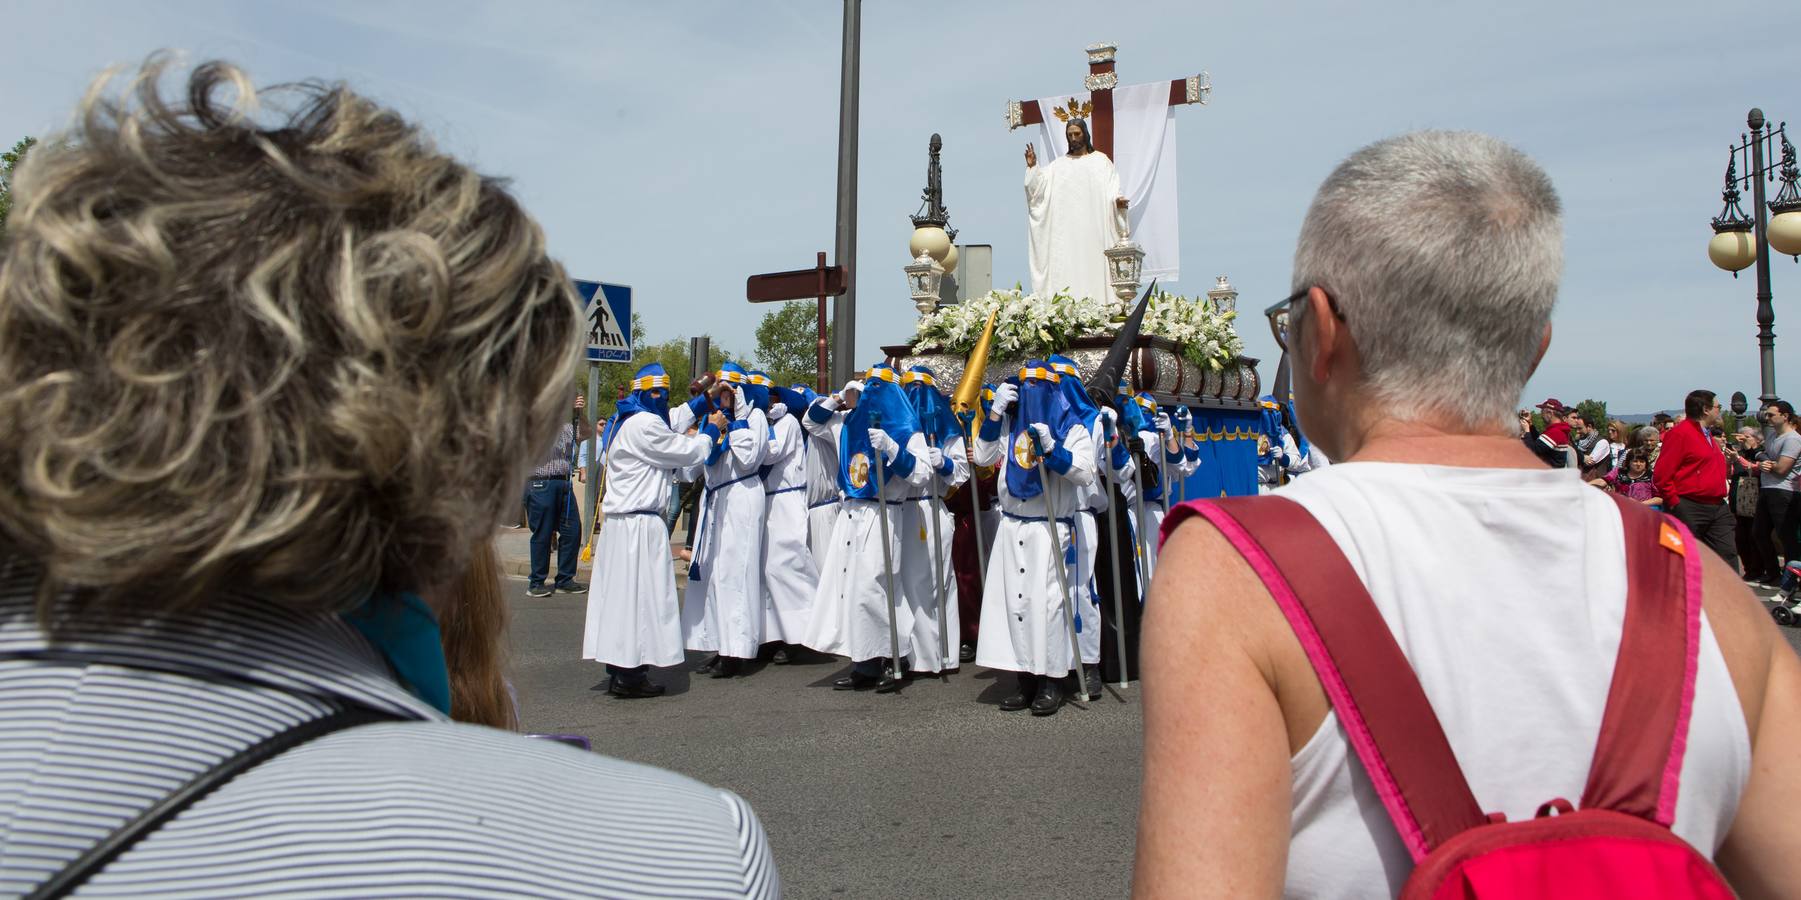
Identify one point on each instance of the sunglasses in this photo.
(1279, 314)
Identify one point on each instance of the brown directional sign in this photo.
(796, 285)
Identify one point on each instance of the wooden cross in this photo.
(1100, 83)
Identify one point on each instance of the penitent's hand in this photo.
(1031, 156)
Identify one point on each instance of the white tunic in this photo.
(1091, 526)
(1024, 624)
(917, 579)
(1456, 560)
(633, 614)
(851, 608)
(723, 612)
(1070, 217)
(789, 574)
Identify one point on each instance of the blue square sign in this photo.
(609, 321)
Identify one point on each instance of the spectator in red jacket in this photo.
(1691, 475)
(1552, 444)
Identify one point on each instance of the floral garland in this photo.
(1032, 326)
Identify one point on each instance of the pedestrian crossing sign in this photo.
(608, 320)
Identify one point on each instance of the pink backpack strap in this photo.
(1644, 731)
(1372, 687)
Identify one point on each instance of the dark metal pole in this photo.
(844, 310)
(820, 375)
(1766, 313)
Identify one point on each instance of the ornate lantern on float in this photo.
(924, 277)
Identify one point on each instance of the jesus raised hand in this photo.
(1031, 156)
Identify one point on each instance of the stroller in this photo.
(1788, 610)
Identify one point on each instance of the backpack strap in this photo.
(1372, 687)
(1644, 730)
(76, 873)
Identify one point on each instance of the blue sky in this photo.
(681, 146)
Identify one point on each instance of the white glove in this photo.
(883, 444)
(740, 406)
(935, 458)
(1163, 423)
(1004, 395)
(1047, 442)
(829, 402)
(777, 411)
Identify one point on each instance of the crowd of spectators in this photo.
(1735, 489)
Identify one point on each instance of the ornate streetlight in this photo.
(933, 247)
(1738, 238)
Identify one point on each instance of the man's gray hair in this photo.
(1443, 249)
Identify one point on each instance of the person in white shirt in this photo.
(634, 617)
(1424, 280)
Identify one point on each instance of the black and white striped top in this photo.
(108, 719)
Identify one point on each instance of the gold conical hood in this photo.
(968, 396)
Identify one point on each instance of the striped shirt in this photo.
(111, 717)
(556, 464)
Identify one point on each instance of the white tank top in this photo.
(1506, 590)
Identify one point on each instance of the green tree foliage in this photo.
(1594, 412)
(8, 162)
(788, 342)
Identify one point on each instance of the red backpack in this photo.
(1617, 842)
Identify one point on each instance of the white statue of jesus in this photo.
(1074, 212)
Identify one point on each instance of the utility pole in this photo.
(844, 308)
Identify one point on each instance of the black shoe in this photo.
(856, 681)
(1049, 699)
(645, 688)
(538, 591)
(1022, 698)
(967, 653)
(891, 682)
(709, 666)
(782, 657)
(1091, 673)
(572, 587)
(727, 667)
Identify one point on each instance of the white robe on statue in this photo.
(634, 617)
(1024, 617)
(851, 607)
(1144, 151)
(917, 581)
(1070, 219)
(723, 612)
(789, 573)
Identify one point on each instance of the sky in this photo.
(679, 147)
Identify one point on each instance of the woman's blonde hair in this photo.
(298, 355)
(472, 623)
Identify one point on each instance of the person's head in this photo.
(1780, 414)
(1662, 421)
(266, 342)
(1702, 407)
(1618, 431)
(1075, 135)
(1649, 436)
(1750, 438)
(1638, 463)
(1424, 279)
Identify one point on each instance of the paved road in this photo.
(932, 792)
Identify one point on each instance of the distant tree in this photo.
(788, 343)
(8, 162)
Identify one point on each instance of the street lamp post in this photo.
(933, 245)
(1739, 239)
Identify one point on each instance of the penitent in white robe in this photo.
(789, 574)
(851, 607)
(723, 612)
(634, 617)
(917, 580)
(822, 492)
(1071, 221)
(1091, 529)
(1024, 624)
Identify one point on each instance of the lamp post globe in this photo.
(1732, 250)
(930, 240)
(949, 262)
(1784, 232)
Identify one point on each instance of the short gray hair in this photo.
(1444, 250)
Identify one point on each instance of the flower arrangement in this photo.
(1033, 326)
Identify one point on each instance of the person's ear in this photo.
(1328, 335)
(1544, 344)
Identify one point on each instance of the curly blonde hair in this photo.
(304, 359)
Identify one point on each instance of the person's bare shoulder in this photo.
(1748, 638)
